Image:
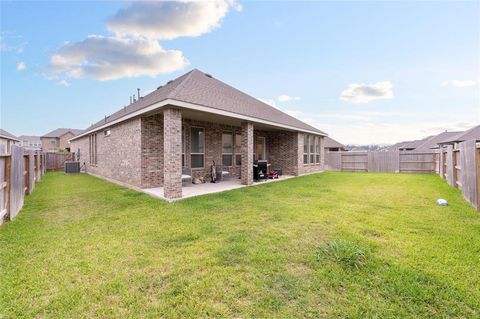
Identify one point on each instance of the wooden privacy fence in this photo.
(393, 162)
(460, 167)
(19, 172)
(56, 161)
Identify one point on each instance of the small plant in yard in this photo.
(345, 253)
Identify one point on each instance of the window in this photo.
(197, 138)
(53, 141)
(227, 149)
(106, 133)
(238, 149)
(305, 149)
(92, 139)
(317, 149)
(183, 146)
(312, 149)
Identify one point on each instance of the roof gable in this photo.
(59, 132)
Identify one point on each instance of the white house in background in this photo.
(31, 142)
(7, 140)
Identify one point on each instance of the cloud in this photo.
(166, 20)
(459, 83)
(64, 83)
(21, 66)
(134, 49)
(364, 93)
(108, 58)
(374, 127)
(10, 41)
(287, 98)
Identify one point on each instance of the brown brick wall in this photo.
(152, 151)
(47, 145)
(63, 141)
(118, 155)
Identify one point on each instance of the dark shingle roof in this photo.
(471, 134)
(414, 144)
(8, 135)
(202, 89)
(331, 143)
(433, 141)
(62, 131)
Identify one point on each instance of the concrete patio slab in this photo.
(208, 188)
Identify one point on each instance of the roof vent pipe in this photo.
(134, 98)
(130, 99)
(138, 91)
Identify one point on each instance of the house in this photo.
(431, 143)
(471, 134)
(412, 145)
(189, 123)
(7, 140)
(58, 140)
(31, 142)
(332, 145)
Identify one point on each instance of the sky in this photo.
(364, 72)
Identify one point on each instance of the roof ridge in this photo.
(182, 83)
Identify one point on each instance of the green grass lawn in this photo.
(326, 245)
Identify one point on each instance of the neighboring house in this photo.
(394, 147)
(333, 146)
(471, 134)
(189, 123)
(412, 145)
(58, 140)
(7, 140)
(431, 144)
(31, 142)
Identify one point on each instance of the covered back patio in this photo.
(179, 142)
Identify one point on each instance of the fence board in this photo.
(467, 174)
(17, 180)
(390, 162)
(333, 161)
(31, 170)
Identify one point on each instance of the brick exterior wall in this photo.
(172, 141)
(152, 151)
(118, 155)
(47, 144)
(63, 141)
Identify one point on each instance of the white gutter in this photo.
(195, 107)
(9, 138)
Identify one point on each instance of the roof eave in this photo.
(188, 105)
(9, 138)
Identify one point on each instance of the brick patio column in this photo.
(247, 153)
(172, 155)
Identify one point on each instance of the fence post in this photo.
(6, 190)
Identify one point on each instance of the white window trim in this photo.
(204, 146)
